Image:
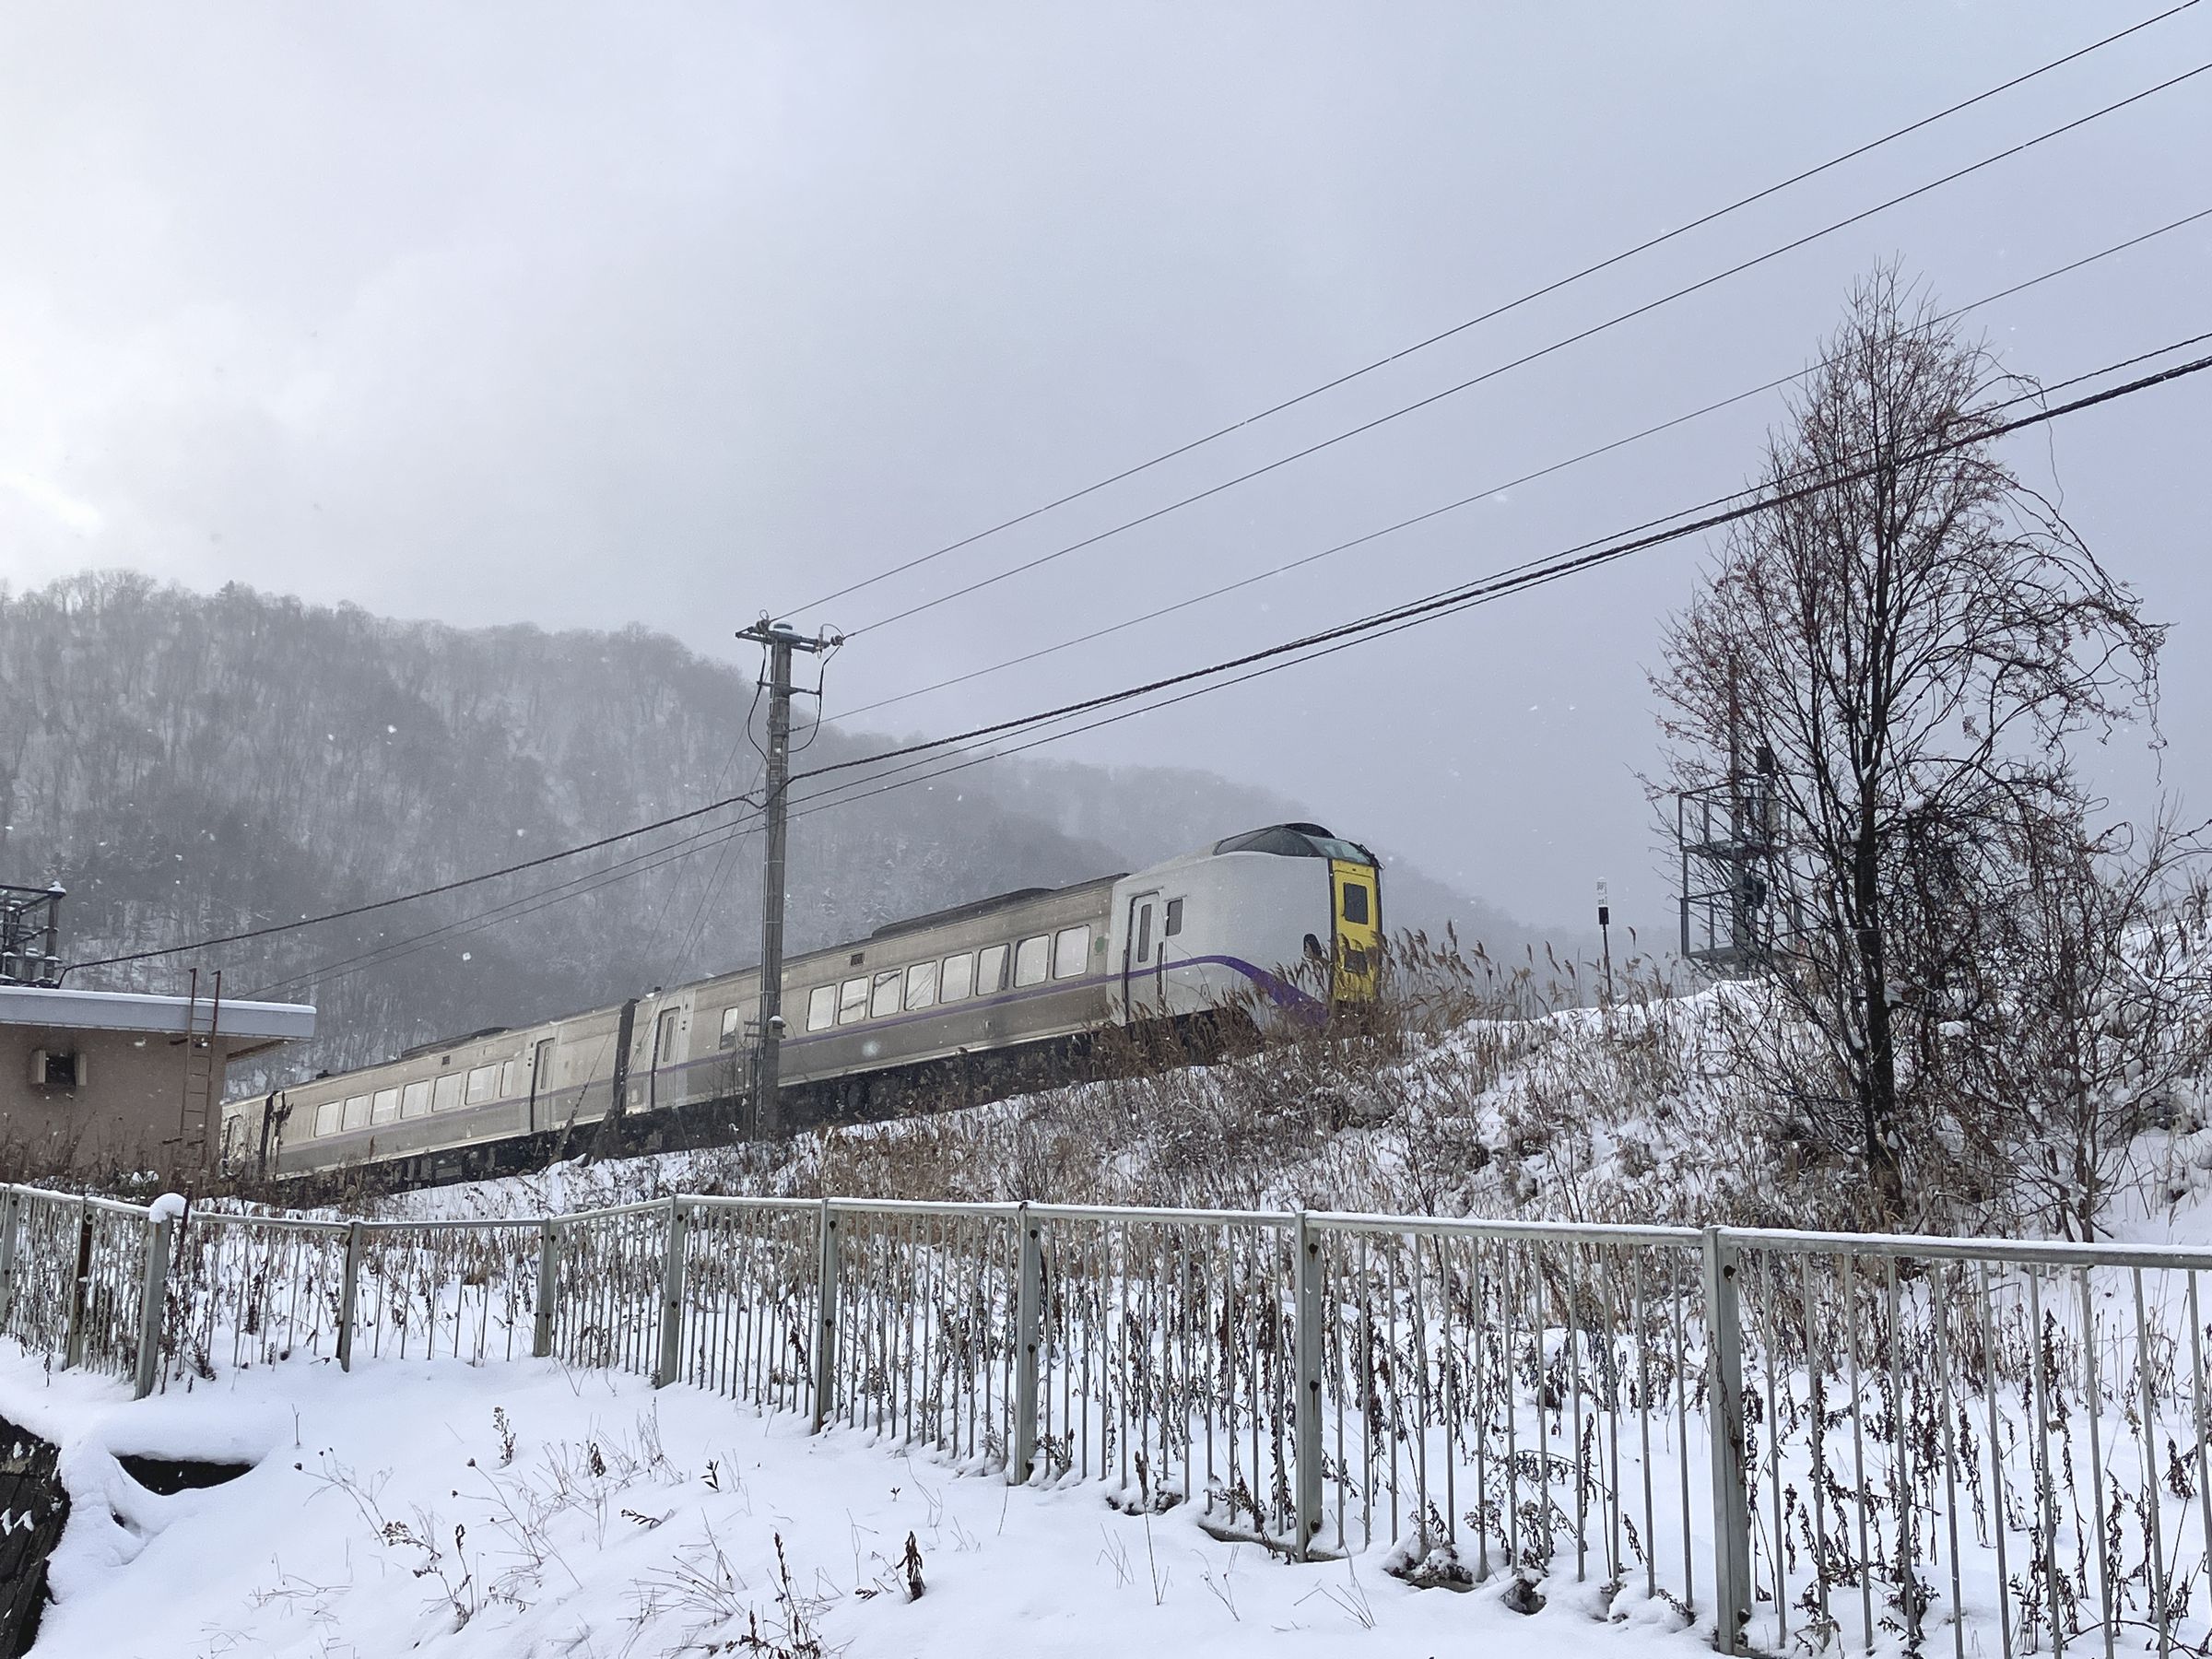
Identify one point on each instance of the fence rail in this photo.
(1806, 1442)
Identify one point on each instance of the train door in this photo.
(664, 1055)
(541, 1085)
(1144, 959)
(1356, 896)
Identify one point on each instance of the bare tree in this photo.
(2080, 1016)
(1913, 639)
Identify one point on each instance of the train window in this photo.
(379, 1109)
(326, 1117)
(510, 1079)
(1031, 959)
(1172, 924)
(955, 978)
(852, 1000)
(1071, 951)
(415, 1099)
(991, 970)
(733, 1021)
(1355, 903)
(481, 1082)
(445, 1094)
(884, 999)
(922, 984)
(821, 1007)
(357, 1113)
(1144, 933)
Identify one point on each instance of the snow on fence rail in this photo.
(1924, 1443)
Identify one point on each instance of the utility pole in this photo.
(780, 639)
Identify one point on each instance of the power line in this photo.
(1518, 577)
(428, 892)
(700, 913)
(1267, 659)
(1564, 565)
(591, 881)
(1543, 351)
(724, 836)
(1496, 311)
(525, 904)
(1488, 490)
(1498, 584)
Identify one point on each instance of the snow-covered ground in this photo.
(391, 1509)
(525, 1510)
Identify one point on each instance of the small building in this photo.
(113, 1080)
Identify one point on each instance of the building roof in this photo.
(136, 1011)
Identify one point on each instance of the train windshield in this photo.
(1297, 840)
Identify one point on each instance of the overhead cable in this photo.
(1488, 490)
(1526, 358)
(1499, 310)
(1582, 561)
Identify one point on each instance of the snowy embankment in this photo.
(1630, 1114)
(525, 1510)
(1640, 1113)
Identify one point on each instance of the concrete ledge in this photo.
(134, 1011)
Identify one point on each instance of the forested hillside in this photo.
(190, 765)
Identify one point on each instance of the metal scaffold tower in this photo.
(30, 935)
(1726, 837)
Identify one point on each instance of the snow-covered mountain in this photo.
(190, 765)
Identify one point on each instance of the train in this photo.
(1284, 921)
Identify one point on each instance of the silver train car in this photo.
(982, 996)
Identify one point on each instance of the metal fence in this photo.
(73, 1278)
(1922, 1443)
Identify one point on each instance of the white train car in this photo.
(1287, 919)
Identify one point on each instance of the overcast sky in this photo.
(669, 313)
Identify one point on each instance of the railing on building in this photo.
(1924, 1444)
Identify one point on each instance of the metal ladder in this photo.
(204, 1076)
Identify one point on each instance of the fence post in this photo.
(548, 1286)
(348, 1296)
(1306, 1278)
(669, 1359)
(73, 1338)
(1724, 1422)
(153, 1292)
(11, 1206)
(1028, 1297)
(825, 1328)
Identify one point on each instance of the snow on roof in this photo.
(136, 1011)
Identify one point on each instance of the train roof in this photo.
(981, 906)
(446, 1042)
